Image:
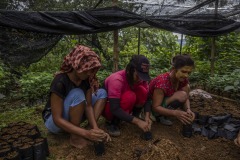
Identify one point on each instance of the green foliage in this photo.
(1, 72)
(228, 82)
(232, 84)
(35, 85)
(227, 51)
(226, 62)
(102, 74)
(158, 46)
(155, 72)
(201, 72)
(8, 80)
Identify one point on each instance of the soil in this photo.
(167, 142)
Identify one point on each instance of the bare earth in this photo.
(167, 143)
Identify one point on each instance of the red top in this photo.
(163, 82)
(116, 84)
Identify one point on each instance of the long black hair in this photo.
(130, 69)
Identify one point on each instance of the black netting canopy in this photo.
(26, 36)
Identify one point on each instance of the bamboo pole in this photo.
(181, 43)
(213, 50)
(213, 42)
(115, 51)
(115, 46)
(139, 31)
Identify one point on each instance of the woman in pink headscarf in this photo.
(74, 95)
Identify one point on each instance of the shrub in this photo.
(35, 85)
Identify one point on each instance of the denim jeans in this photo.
(74, 98)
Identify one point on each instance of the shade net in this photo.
(26, 36)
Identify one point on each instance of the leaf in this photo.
(236, 83)
(227, 88)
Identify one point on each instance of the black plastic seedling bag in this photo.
(99, 148)
(26, 152)
(39, 151)
(147, 136)
(187, 130)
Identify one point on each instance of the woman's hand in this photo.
(237, 140)
(191, 113)
(184, 117)
(149, 122)
(97, 135)
(107, 137)
(143, 125)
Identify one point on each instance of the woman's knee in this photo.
(181, 96)
(74, 98)
(128, 100)
(141, 95)
(142, 89)
(76, 92)
(129, 96)
(101, 93)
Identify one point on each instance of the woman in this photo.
(127, 93)
(237, 140)
(71, 98)
(170, 91)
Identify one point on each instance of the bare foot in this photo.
(78, 141)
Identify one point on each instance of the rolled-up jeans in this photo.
(74, 98)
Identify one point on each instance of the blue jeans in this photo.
(74, 98)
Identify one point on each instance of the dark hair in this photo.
(180, 61)
(131, 68)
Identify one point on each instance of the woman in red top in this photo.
(170, 91)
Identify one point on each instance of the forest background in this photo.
(30, 84)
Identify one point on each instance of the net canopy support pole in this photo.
(115, 46)
(181, 44)
(115, 51)
(213, 50)
(139, 31)
(213, 43)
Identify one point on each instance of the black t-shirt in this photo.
(61, 86)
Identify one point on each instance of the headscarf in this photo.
(81, 59)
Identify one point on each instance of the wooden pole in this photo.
(139, 31)
(213, 50)
(115, 51)
(115, 46)
(213, 42)
(181, 44)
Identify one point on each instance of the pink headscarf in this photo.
(82, 59)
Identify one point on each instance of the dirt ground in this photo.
(167, 143)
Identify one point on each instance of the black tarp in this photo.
(71, 22)
(111, 18)
(27, 36)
